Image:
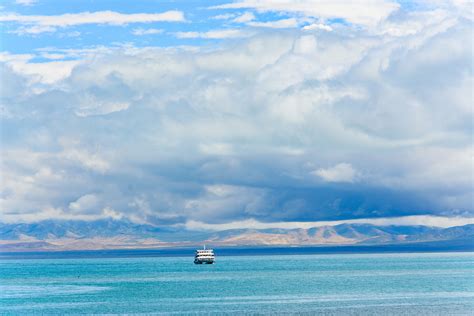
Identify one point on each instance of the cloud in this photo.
(366, 12)
(436, 221)
(33, 30)
(255, 128)
(47, 73)
(342, 172)
(34, 24)
(141, 31)
(26, 2)
(214, 34)
(244, 18)
(87, 159)
(226, 16)
(85, 203)
(53, 56)
(278, 24)
(224, 201)
(317, 26)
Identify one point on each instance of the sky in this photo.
(237, 113)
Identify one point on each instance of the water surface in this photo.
(336, 284)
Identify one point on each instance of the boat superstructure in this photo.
(204, 256)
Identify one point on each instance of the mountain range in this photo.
(120, 234)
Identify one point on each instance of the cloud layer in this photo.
(289, 125)
(364, 12)
(47, 23)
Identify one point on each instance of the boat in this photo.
(204, 256)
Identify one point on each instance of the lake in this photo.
(329, 284)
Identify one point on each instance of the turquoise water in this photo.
(345, 284)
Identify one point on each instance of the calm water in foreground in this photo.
(340, 284)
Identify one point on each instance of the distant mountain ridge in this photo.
(115, 234)
(60, 229)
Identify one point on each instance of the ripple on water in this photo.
(19, 291)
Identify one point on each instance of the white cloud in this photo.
(342, 172)
(220, 149)
(33, 30)
(214, 34)
(226, 16)
(111, 213)
(26, 2)
(7, 57)
(48, 72)
(141, 31)
(44, 72)
(233, 131)
(87, 159)
(427, 220)
(85, 203)
(51, 213)
(190, 34)
(317, 26)
(365, 12)
(416, 22)
(34, 24)
(53, 56)
(244, 17)
(278, 24)
(100, 107)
